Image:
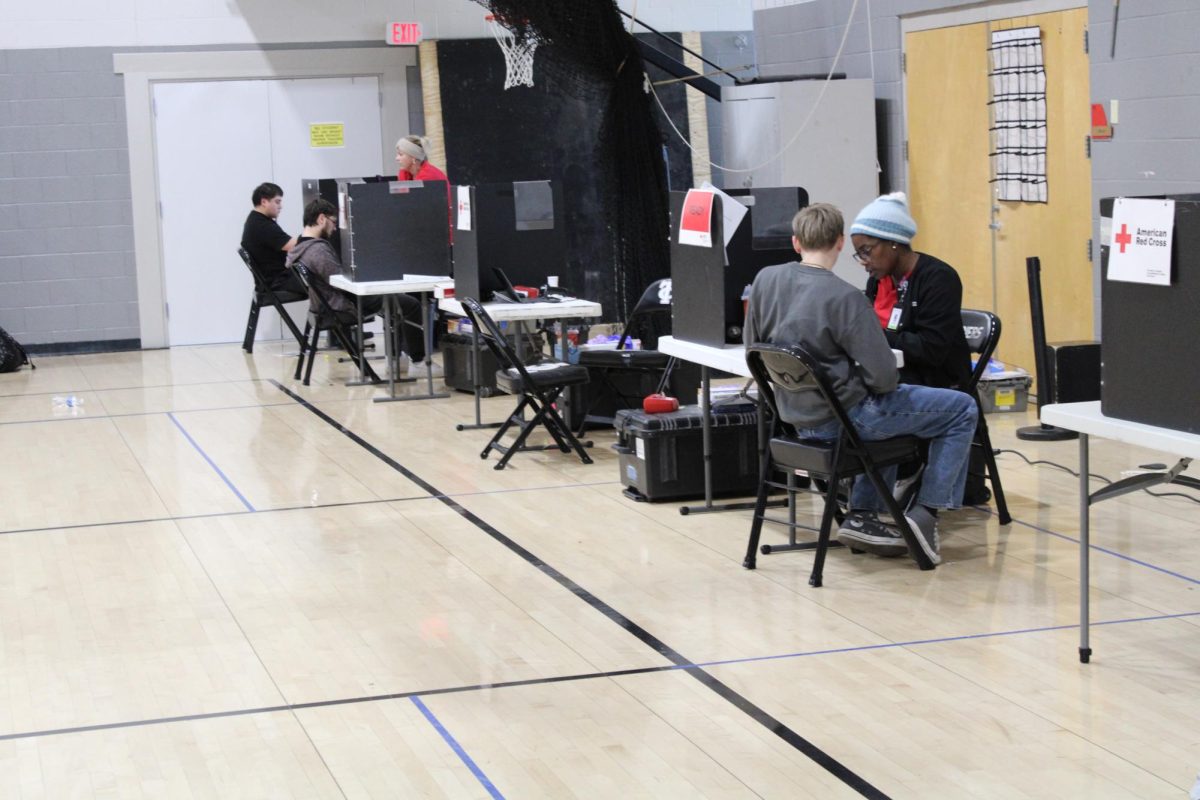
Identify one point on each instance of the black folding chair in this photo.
(264, 294)
(603, 364)
(793, 370)
(538, 385)
(982, 329)
(326, 319)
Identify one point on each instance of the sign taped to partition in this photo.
(695, 226)
(1140, 247)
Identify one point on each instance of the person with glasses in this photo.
(918, 302)
(803, 302)
(917, 298)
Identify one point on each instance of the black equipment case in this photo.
(458, 365)
(662, 455)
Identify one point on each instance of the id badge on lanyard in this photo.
(898, 309)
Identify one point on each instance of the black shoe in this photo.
(863, 530)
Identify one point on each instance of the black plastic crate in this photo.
(458, 363)
(662, 455)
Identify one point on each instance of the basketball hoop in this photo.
(518, 53)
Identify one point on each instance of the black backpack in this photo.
(12, 355)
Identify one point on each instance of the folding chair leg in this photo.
(287, 320)
(312, 356)
(910, 536)
(989, 458)
(504, 426)
(251, 326)
(760, 510)
(831, 501)
(309, 351)
(557, 426)
(537, 418)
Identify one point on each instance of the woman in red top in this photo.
(414, 166)
(414, 163)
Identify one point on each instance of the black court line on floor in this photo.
(775, 726)
(573, 678)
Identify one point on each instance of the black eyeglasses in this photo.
(862, 254)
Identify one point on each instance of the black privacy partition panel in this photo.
(698, 281)
(514, 227)
(395, 228)
(1149, 334)
(546, 132)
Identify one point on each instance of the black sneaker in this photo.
(863, 530)
(924, 525)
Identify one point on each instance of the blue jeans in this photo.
(945, 417)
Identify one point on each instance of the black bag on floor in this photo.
(12, 355)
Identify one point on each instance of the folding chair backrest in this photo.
(260, 285)
(793, 370)
(308, 278)
(655, 300)
(982, 329)
(494, 338)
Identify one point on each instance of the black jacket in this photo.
(930, 333)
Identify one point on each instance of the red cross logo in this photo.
(1123, 238)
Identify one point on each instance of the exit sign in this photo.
(403, 33)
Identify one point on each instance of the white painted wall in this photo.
(161, 23)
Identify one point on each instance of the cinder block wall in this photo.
(66, 242)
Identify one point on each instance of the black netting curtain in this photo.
(600, 59)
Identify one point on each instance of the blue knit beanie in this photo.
(887, 218)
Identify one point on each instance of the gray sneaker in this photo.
(863, 530)
(924, 525)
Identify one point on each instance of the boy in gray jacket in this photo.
(803, 302)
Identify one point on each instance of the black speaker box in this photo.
(1074, 372)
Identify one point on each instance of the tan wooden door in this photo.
(949, 174)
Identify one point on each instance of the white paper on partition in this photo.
(732, 211)
(464, 208)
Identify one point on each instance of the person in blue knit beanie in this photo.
(918, 301)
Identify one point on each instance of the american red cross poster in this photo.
(1140, 248)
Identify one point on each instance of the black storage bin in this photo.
(631, 386)
(458, 363)
(662, 455)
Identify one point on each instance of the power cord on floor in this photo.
(1035, 462)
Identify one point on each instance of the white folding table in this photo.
(425, 285)
(1088, 420)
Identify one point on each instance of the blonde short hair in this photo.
(818, 226)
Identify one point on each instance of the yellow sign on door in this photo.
(327, 134)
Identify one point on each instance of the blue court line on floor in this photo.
(573, 678)
(458, 749)
(211, 463)
(942, 640)
(142, 414)
(1107, 551)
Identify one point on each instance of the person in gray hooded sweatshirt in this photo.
(314, 251)
(804, 303)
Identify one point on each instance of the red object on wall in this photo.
(1100, 127)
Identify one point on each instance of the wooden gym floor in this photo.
(217, 583)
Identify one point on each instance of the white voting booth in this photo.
(833, 157)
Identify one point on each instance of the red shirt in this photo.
(885, 299)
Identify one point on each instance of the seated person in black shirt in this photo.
(267, 243)
(316, 253)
